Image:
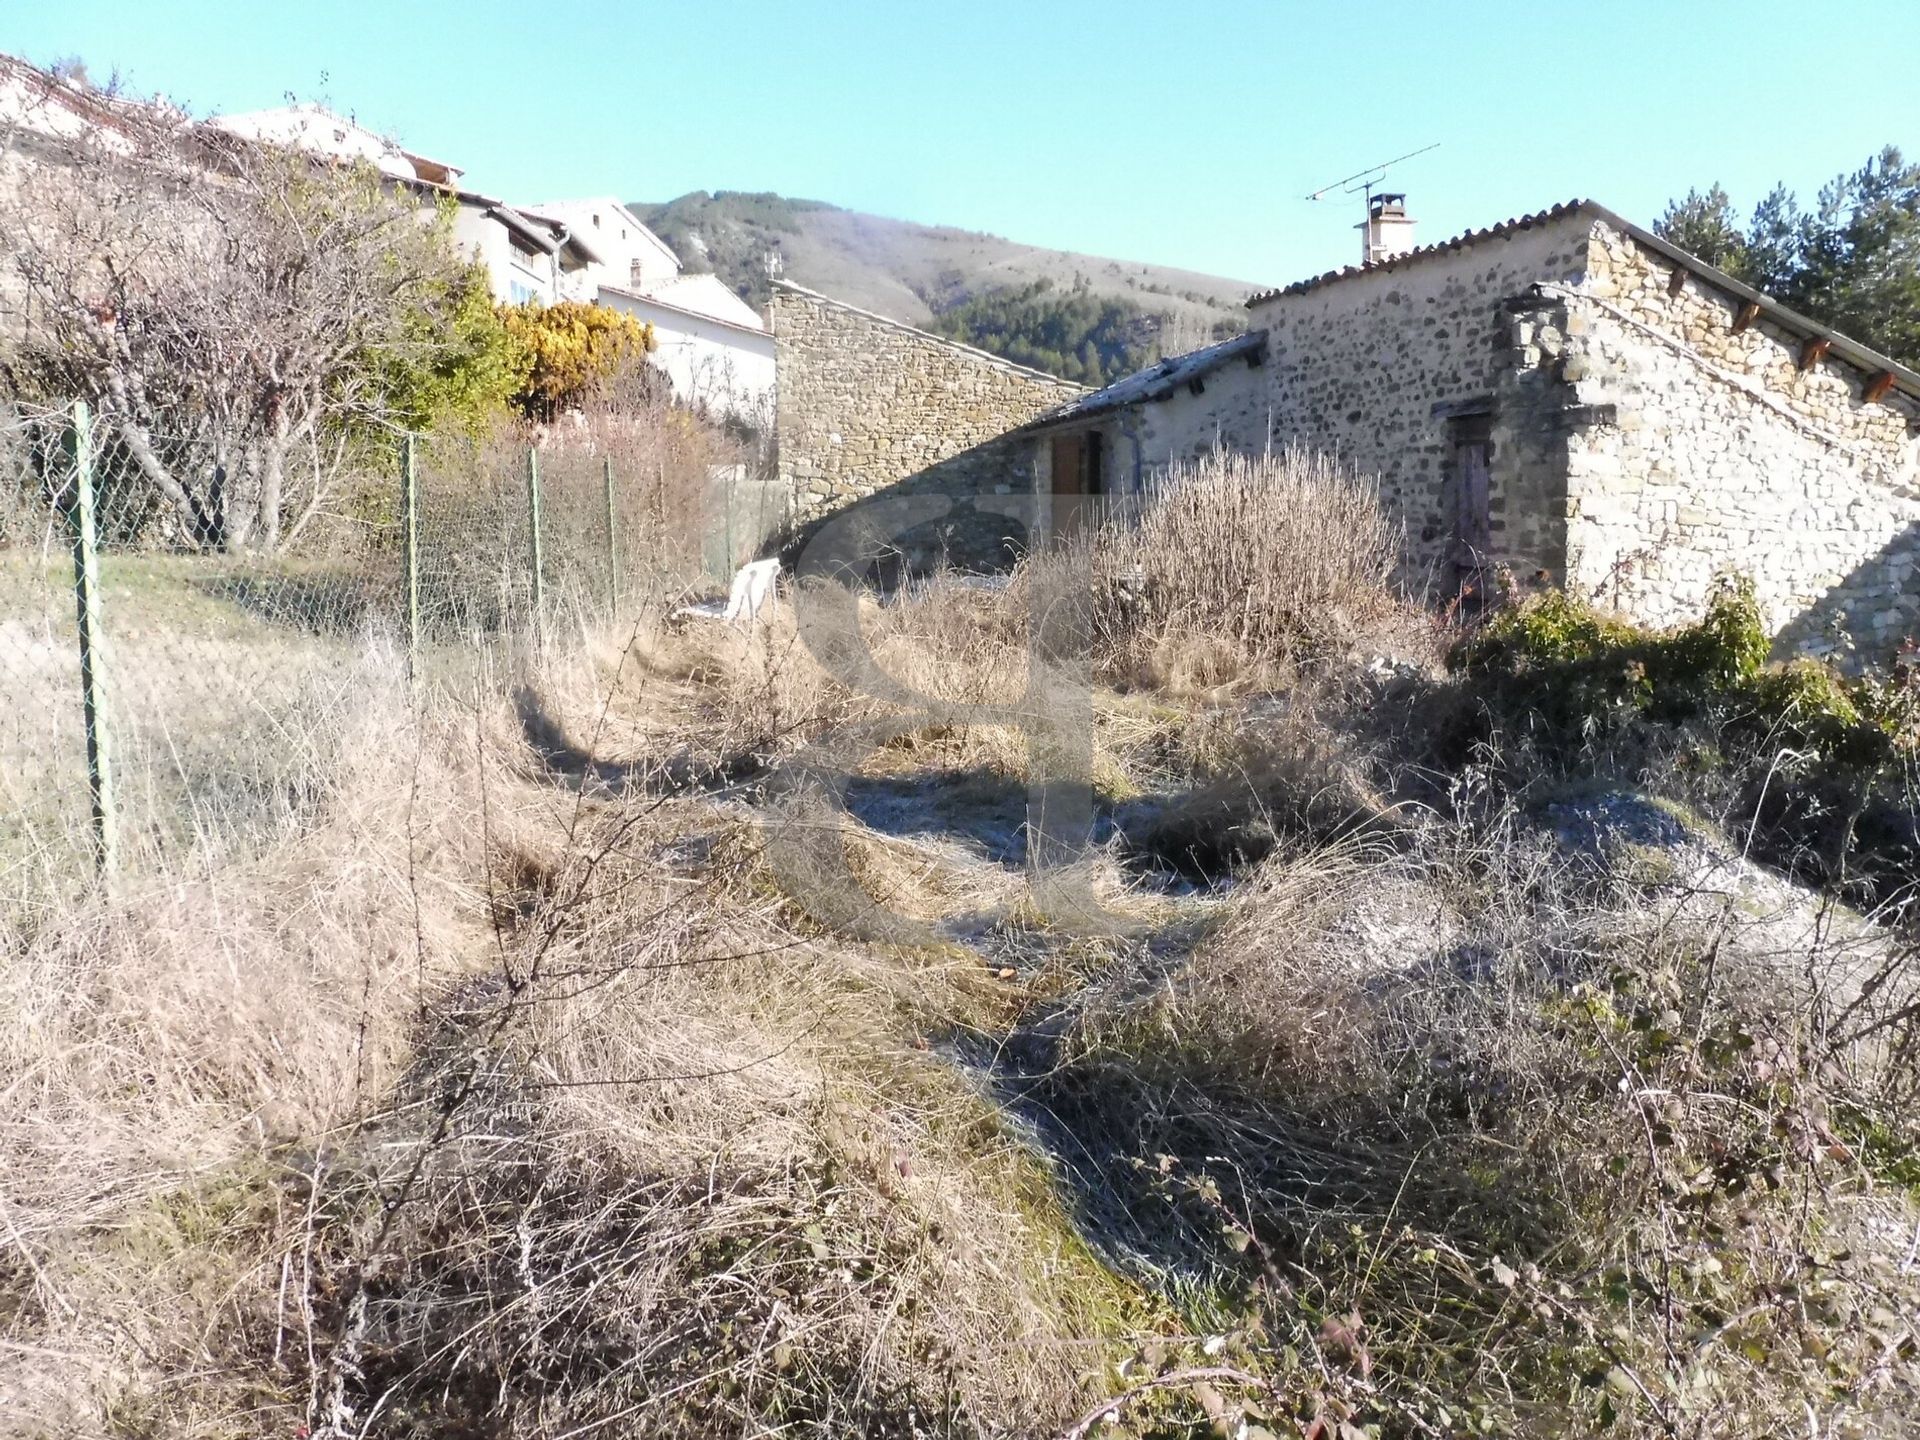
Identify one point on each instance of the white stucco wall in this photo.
(632, 257)
(509, 268)
(725, 367)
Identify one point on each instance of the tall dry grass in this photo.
(1504, 1153)
(173, 1047)
(510, 1090)
(705, 1181)
(464, 1076)
(317, 850)
(1234, 562)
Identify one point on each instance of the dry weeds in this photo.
(506, 1092)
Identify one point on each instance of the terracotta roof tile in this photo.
(1458, 242)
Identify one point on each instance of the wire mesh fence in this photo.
(189, 641)
(44, 793)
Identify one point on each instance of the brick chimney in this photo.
(1388, 230)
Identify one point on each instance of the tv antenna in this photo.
(1368, 178)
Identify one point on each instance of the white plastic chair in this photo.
(753, 591)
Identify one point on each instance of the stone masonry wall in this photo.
(1716, 453)
(867, 405)
(1142, 440)
(1231, 412)
(1358, 365)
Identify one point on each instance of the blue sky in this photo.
(1178, 133)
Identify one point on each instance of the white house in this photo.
(39, 106)
(634, 258)
(713, 347)
(319, 131)
(528, 257)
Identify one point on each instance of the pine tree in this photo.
(1853, 262)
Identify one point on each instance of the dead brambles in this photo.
(1400, 1105)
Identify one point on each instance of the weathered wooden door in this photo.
(1076, 479)
(1472, 491)
(1069, 464)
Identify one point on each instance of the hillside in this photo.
(1082, 316)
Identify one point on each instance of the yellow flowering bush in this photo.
(573, 346)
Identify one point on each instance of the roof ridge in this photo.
(1153, 382)
(1422, 252)
(1000, 360)
(650, 299)
(1845, 347)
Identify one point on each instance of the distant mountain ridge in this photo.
(1085, 317)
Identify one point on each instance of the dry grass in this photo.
(1236, 567)
(1503, 1156)
(683, 1109)
(171, 1044)
(509, 1087)
(710, 1178)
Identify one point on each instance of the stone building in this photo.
(866, 405)
(1564, 395)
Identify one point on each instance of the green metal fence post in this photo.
(613, 544)
(86, 591)
(533, 520)
(410, 526)
(733, 561)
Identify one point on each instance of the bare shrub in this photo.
(1282, 557)
(238, 315)
(664, 459)
(1500, 1149)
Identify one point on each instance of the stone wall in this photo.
(867, 405)
(1228, 412)
(1231, 412)
(1712, 451)
(1643, 441)
(1358, 365)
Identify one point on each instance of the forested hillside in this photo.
(1081, 316)
(1074, 333)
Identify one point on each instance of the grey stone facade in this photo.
(1361, 363)
(1718, 446)
(866, 405)
(1645, 426)
(1564, 396)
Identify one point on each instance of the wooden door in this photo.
(1069, 483)
(1472, 492)
(1069, 464)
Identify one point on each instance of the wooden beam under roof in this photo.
(1815, 350)
(1749, 313)
(1878, 388)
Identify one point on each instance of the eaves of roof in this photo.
(1863, 357)
(1156, 382)
(541, 236)
(701, 316)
